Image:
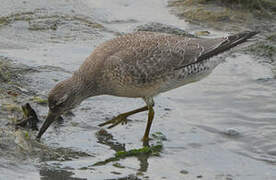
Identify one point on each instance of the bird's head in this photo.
(63, 97)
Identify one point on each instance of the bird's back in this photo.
(147, 63)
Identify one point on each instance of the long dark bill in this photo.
(49, 120)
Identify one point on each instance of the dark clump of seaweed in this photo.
(30, 118)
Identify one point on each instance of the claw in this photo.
(115, 121)
(122, 118)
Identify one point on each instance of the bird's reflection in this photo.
(107, 139)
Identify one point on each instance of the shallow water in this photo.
(222, 127)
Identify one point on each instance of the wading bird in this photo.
(138, 65)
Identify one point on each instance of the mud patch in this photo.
(265, 51)
(53, 27)
(11, 72)
(223, 15)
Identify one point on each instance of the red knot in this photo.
(138, 65)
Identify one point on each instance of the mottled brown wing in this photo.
(219, 45)
(149, 56)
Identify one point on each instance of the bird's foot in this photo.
(122, 118)
(145, 141)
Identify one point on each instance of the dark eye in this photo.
(52, 104)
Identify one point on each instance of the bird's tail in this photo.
(228, 43)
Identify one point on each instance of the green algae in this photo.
(153, 150)
(27, 135)
(145, 151)
(39, 100)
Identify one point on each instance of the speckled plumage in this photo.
(141, 64)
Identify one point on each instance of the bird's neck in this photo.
(85, 87)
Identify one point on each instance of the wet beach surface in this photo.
(220, 128)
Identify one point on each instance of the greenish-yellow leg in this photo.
(122, 118)
(150, 119)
